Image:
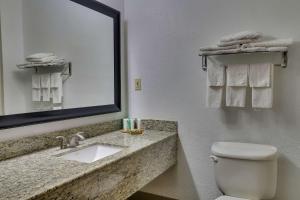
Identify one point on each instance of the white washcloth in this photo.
(237, 75)
(39, 55)
(216, 75)
(36, 81)
(271, 43)
(260, 75)
(236, 96)
(236, 42)
(262, 97)
(214, 97)
(36, 94)
(242, 35)
(217, 48)
(277, 48)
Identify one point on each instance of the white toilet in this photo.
(245, 171)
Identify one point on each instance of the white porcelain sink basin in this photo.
(92, 153)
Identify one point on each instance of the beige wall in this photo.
(164, 37)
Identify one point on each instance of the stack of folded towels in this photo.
(246, 41)
(44, 58)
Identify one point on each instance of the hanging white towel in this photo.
(45, 86)
(260, 75)
(262, 97)
(36, 94)
(56, 88)
(237, 75)
(236, 96)
(215, 85)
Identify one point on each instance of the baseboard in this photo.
(147, 196)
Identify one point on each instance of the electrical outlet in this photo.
(138, 84)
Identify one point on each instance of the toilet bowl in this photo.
(245, 171)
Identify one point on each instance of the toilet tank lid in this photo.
(244, 151)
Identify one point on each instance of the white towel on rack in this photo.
(36, 81)
(236, 42)
(43, 60)
(277, 49)
(262, 97)
(39, 55)
(254, 49)
(236, 96)
(45, 86)
(214, 96)
(56, 88)
(237, 75)
(217, 48)
(271, 43)
(36, 94)
(241, 36)
(260, 75)
(215, 85)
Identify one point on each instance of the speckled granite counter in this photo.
(44, 175)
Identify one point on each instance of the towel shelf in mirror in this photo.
(65, 68)
(283, 53)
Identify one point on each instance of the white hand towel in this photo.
(262, 97)
(236, 96)
(242, 35)
(36, 94)
(214, 97)
(56, 80)
(45, 85)
(277, 49)
(206, 53)
(215, 83)
(237, 75)
(43, 60)
(217, 48)
(260, 75)
(216, 75)
(36, 81)
(254, 49)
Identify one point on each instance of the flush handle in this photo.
(214, 158)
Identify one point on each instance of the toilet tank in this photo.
(245, 170)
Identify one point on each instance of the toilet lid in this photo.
(230, 198)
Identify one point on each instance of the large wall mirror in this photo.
(60, 59)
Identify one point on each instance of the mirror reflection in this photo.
(55, 54)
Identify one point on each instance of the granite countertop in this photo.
(27, 176)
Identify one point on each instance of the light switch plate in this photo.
(138, 84)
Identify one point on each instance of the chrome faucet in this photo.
(74, 141)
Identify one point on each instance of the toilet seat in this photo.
(230, 198)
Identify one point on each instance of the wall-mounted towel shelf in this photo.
(283, 64)
(66, 68)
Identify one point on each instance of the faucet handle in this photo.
(63, 142)
(80, 136)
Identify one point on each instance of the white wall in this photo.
(163, 41)
(59, 125)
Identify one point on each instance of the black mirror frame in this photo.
(10, 121)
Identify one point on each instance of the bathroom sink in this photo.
(92, 153)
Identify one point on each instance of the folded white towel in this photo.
(43, 60)
(262, 97)
(260, 75)
(236, 96)
(237, 75)
(271, 43)
(254, 49)
(36, 81)
(56, 80)
(207, 53)
(217, 48)
(36, 94)
(215, 75)
(45, 80)
(236, 42)
(45, 94)
(242, 35)
(277, 49)
(214, 96)
(39, 55)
